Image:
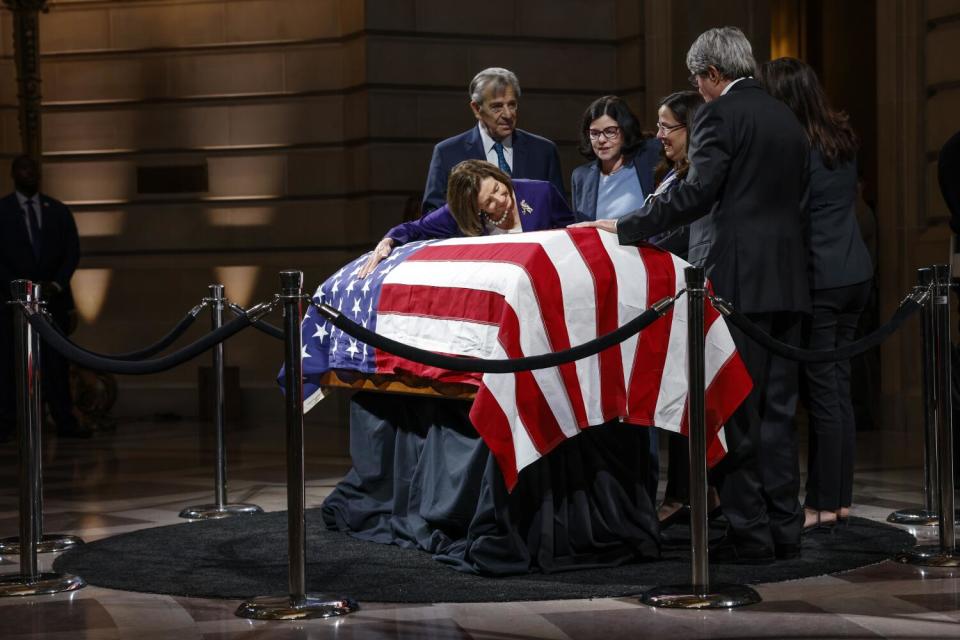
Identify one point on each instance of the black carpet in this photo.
(247, 556)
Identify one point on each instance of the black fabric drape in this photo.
(422, 478)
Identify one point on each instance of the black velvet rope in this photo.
(84, 358)
(907, 309)
(260, 325)
(148, 351)
(506, 365)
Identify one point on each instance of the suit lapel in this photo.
(473, 146)
(590, 186)
(519, 168)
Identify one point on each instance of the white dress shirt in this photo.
(489, 151)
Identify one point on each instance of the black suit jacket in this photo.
(745, 199)
(534, 158)
(585, 179)
(838, 255)
(59, 253)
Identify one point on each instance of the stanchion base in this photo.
(930, 555)
(49, 543)
(214, 512)
(914, 517)
(312, 605)
(687, 596)
(39, 585)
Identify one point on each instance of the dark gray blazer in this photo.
(585, 180)
(534, 158)
(838, 255)
(745, 199)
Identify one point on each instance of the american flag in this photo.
(514, 295)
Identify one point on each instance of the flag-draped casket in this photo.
(514, 295)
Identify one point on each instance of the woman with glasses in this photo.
(619, 175)
(674, 115)
(840, 273)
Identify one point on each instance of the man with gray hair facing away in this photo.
(744, 197)
(494, 100)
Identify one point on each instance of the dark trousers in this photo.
(760, 483)
(832, 436)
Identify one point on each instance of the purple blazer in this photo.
(547, 210)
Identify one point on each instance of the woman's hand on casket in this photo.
(604, 225)
(381, 251)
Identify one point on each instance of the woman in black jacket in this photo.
(840, 274)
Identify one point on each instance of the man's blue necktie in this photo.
(501, 159)
(34, 221)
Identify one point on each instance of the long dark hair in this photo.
(617, 109)
(684, 106)
(795, 83)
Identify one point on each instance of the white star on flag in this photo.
(335, 288)
(350, 286)
(366, 287)
(321, 331)
(352, 350)
(303, 352)
(356, 307)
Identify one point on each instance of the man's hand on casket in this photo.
(604, 225)
(380, 252)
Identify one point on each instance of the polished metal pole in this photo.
(298, 604)
(944, 445)
(699, 594)
(697, 422)
(291, 290)
(220, 507)
(943, 554)
(220, 471)
(927, 514)
(30, 581)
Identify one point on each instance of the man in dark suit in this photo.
(494, 96)
(744, 197)
(38, 242)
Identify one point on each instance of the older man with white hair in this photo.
(744, 199)
(494, 100)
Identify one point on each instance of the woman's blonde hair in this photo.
(463, 191)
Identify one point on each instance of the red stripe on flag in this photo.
(595, 256)
(545, 281)
(652, 343)
(478, 306)
(492, 424)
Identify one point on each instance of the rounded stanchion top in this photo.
(694, 277)
(25, 290)
(216, 291)
(291, 281)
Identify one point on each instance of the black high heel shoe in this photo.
(821, 525)
(682, 514)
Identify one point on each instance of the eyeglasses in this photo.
(669, 128)
(609, 133)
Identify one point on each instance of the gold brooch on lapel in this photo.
(525, 208)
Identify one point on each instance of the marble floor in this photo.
(145, 472)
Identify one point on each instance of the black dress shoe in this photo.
(728, 551)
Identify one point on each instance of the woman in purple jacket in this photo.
(481, 200)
